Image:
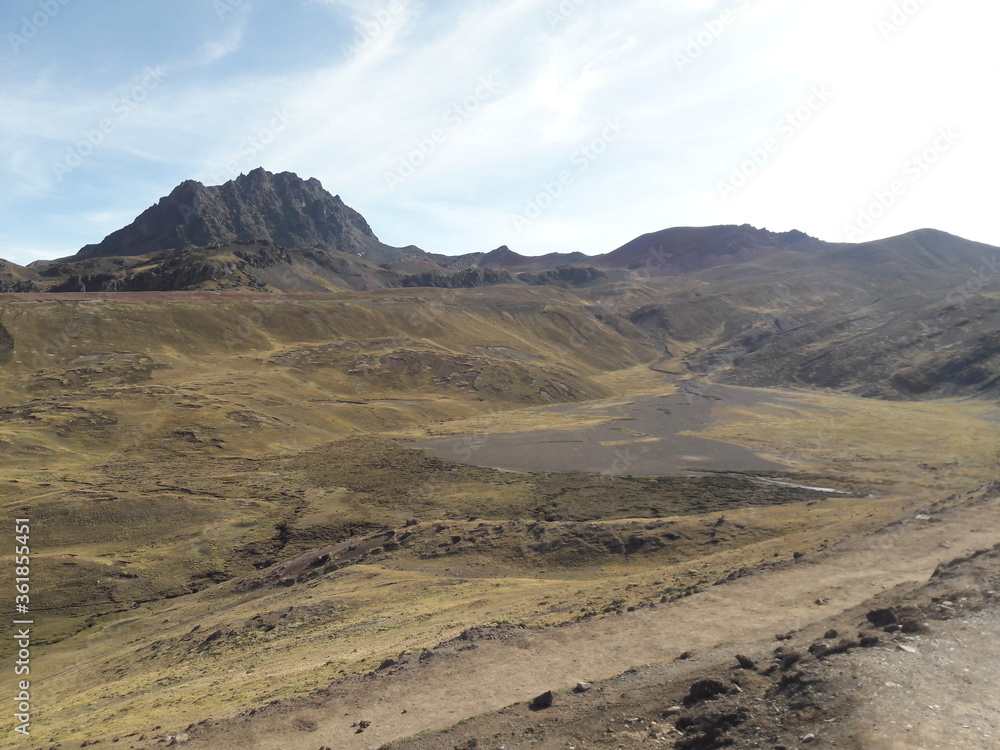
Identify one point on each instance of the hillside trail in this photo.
(495, 673)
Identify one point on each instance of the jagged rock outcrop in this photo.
(15, 278)
(282, 209)
(8, 286)
(470, 277)
(569, 276)
(6, 345)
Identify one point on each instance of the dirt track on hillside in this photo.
(466, 679)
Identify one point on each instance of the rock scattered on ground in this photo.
(704, 690)
(542, 701)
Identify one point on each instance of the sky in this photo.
(543, 125)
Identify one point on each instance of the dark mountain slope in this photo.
(683, 250)
(908, 316)
(256, 266)
(257, 207)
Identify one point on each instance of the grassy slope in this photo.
(217, 434)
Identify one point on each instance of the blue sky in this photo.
(545, 125)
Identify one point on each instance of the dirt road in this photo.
(465, 681)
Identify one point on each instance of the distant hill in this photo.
(504, 257)
(683, 250)
(670, 252)
(910, 316)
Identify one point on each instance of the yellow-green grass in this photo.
(923, 449)
(256, 434)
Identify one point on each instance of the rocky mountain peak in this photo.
(259, 206)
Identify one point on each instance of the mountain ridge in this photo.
(281, 233)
